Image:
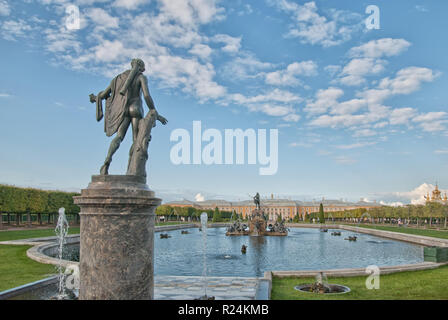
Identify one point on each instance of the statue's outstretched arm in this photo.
(104, 94)
(148, 98)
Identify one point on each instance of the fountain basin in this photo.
(271, 253)
(332, 288)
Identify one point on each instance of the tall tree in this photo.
(321, 214)
(216, 215)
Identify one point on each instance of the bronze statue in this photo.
(124, 108)
(257, 201)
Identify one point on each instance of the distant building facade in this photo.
(285, 208)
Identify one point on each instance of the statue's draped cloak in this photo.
(115, 105)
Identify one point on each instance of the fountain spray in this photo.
(61, 233)
(204, 221)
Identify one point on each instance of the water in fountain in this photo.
(204, 221)
(61, 233)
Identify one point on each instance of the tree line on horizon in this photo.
(216, 215)
(413, 213)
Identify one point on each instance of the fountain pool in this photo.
(302, 249)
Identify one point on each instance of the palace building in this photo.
(274, 207)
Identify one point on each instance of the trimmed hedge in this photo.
(18, 200)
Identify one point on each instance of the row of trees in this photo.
(430, 213)
(19, 201)
(414, 214)
(174, 213)
(430, 210)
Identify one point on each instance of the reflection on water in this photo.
(302, 249)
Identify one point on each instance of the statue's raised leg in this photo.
(115, 144)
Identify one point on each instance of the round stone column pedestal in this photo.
(117, 239)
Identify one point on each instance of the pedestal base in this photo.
(117, 239)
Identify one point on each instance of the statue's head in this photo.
(138, 64)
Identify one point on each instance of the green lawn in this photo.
(33, 233)
(419, 232)
(427, 284)
(17, 269)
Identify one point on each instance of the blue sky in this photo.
(360, 113)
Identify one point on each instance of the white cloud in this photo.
(392, 204)
(401, 115)
(432, 121)
(5, 10)
(421, 8)
(408, 80)
(245, 66)
(11, 30)
(355, 145)
(191, 12)
(193, 76)
(366, 59)
(109, 51)
(347, 120)
(311, 27)
(275, 95)
(247, 9)
(288, 76)
(61, 40)
(341, 114)
(231, 44)
(129, 4)
(300, 145)
(325, 99)
(332, 69)
(364, 133)
(415, 196)
(201, 50)
(110, 42)
(292, 117)
(386, 47)
(444, 151)
(199, 197)
(5, 95)
(348, 107)
(272, 109)
(380, 125)
(354, 72)
(102, 20)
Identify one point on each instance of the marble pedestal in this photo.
(117, 239)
